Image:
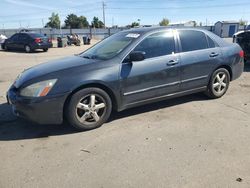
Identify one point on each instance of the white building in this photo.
(226, 28)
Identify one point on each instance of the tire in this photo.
(3, 46)
(218, 84)
(27, 49)
(45, 49)
(7, 48)
(82, 112)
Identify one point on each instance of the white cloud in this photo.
(27, 4)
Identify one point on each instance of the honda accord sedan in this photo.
(127, 69)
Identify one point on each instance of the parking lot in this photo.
(185, 142)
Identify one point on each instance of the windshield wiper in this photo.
(87, 57)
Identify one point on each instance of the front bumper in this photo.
(42, 110)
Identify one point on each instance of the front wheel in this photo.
(218, 83)
(88, 108)
(45, 49)
(3, 46)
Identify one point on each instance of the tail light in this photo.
(241, 54)
(38, 40)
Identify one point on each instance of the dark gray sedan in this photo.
(128, 69)
(27, 41)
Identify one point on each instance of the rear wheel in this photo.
(88, 108)
(218, 83)
(27, 49)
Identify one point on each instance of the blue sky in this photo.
(33, 13)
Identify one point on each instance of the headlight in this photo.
(39, 89)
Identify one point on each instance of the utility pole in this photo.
(103, 13)
(3, 29)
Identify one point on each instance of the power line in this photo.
(187, 7)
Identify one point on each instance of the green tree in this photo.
(243, 22)
(71, 21)
(195, 23)
(135, 24)
(97, 23)
(54, 21)
(164, 22)
(82, 22)
(75, 22)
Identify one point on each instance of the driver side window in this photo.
(157, 44)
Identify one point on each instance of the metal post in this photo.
(103, 13)
(90, 32)
(109, 32)
(4, 29)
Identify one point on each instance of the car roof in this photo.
(159, 28)
(31, 34)
(145, 30)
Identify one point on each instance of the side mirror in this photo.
(137, 56)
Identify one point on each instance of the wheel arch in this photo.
(228, 68)
(105, 88)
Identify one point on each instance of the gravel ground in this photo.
(186, 142)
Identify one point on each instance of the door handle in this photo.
(172, 62)
(213, 54)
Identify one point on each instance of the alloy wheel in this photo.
(27, 49)
(90, 109)
(220, 82)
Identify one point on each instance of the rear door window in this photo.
(23, 37)
(157, 44)
(192, 40)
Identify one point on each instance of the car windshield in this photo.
(110, 47)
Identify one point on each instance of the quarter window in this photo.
(211, 43)
(192, 40)
(158, 44)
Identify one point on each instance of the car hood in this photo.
(50, 67)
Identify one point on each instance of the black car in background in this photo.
(28, 42)
(243, 39)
